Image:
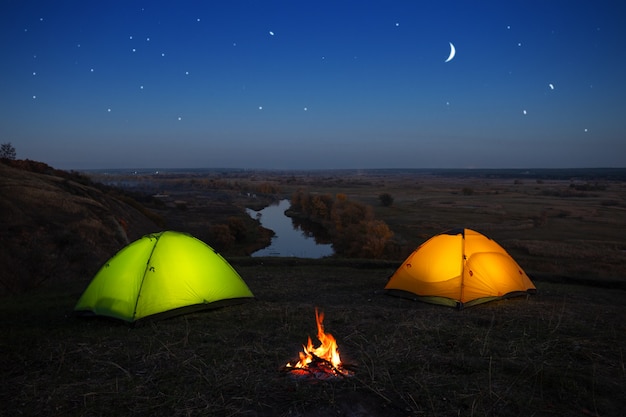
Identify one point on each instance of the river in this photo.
(287, 241)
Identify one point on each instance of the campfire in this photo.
(320, 362)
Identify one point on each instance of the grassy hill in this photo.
(557, 353)
(58, 226)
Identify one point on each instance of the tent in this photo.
(459, 268)
(164, 274)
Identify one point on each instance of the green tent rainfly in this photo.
(165, 273)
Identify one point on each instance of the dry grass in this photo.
(545, 228)
(560, 352)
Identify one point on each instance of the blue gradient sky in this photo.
(316, 84)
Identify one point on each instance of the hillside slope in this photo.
(54, 228)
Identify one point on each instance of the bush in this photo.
(386, 199)
(221, 237)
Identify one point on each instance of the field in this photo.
(559, 223)
(559, 352)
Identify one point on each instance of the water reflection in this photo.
(288, 241)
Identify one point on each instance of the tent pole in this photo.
(464, 259)
(143, 277)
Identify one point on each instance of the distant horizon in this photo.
(243, 169)
(310, 169)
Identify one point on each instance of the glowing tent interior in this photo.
(163, 274)
(459, 268)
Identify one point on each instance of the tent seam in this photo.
(145, 271)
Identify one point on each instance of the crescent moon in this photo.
(452, 53)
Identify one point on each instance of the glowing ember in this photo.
(322, 361)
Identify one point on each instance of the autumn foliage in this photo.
(354, 231)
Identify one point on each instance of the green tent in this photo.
(164, 273)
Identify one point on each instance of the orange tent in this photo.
(459, 268)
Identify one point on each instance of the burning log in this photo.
(320, 362)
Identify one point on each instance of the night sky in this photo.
(314, 84)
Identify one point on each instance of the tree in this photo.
(300, 201)
(386, 199)
(221, 236)
(347, 212)
(321, 206)
(365, 239)
(7, 151)
(377, 234)
(237, 228)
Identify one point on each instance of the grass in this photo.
(560, 352)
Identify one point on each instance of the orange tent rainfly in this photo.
(459, 268)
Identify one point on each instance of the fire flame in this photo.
(327, 351)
